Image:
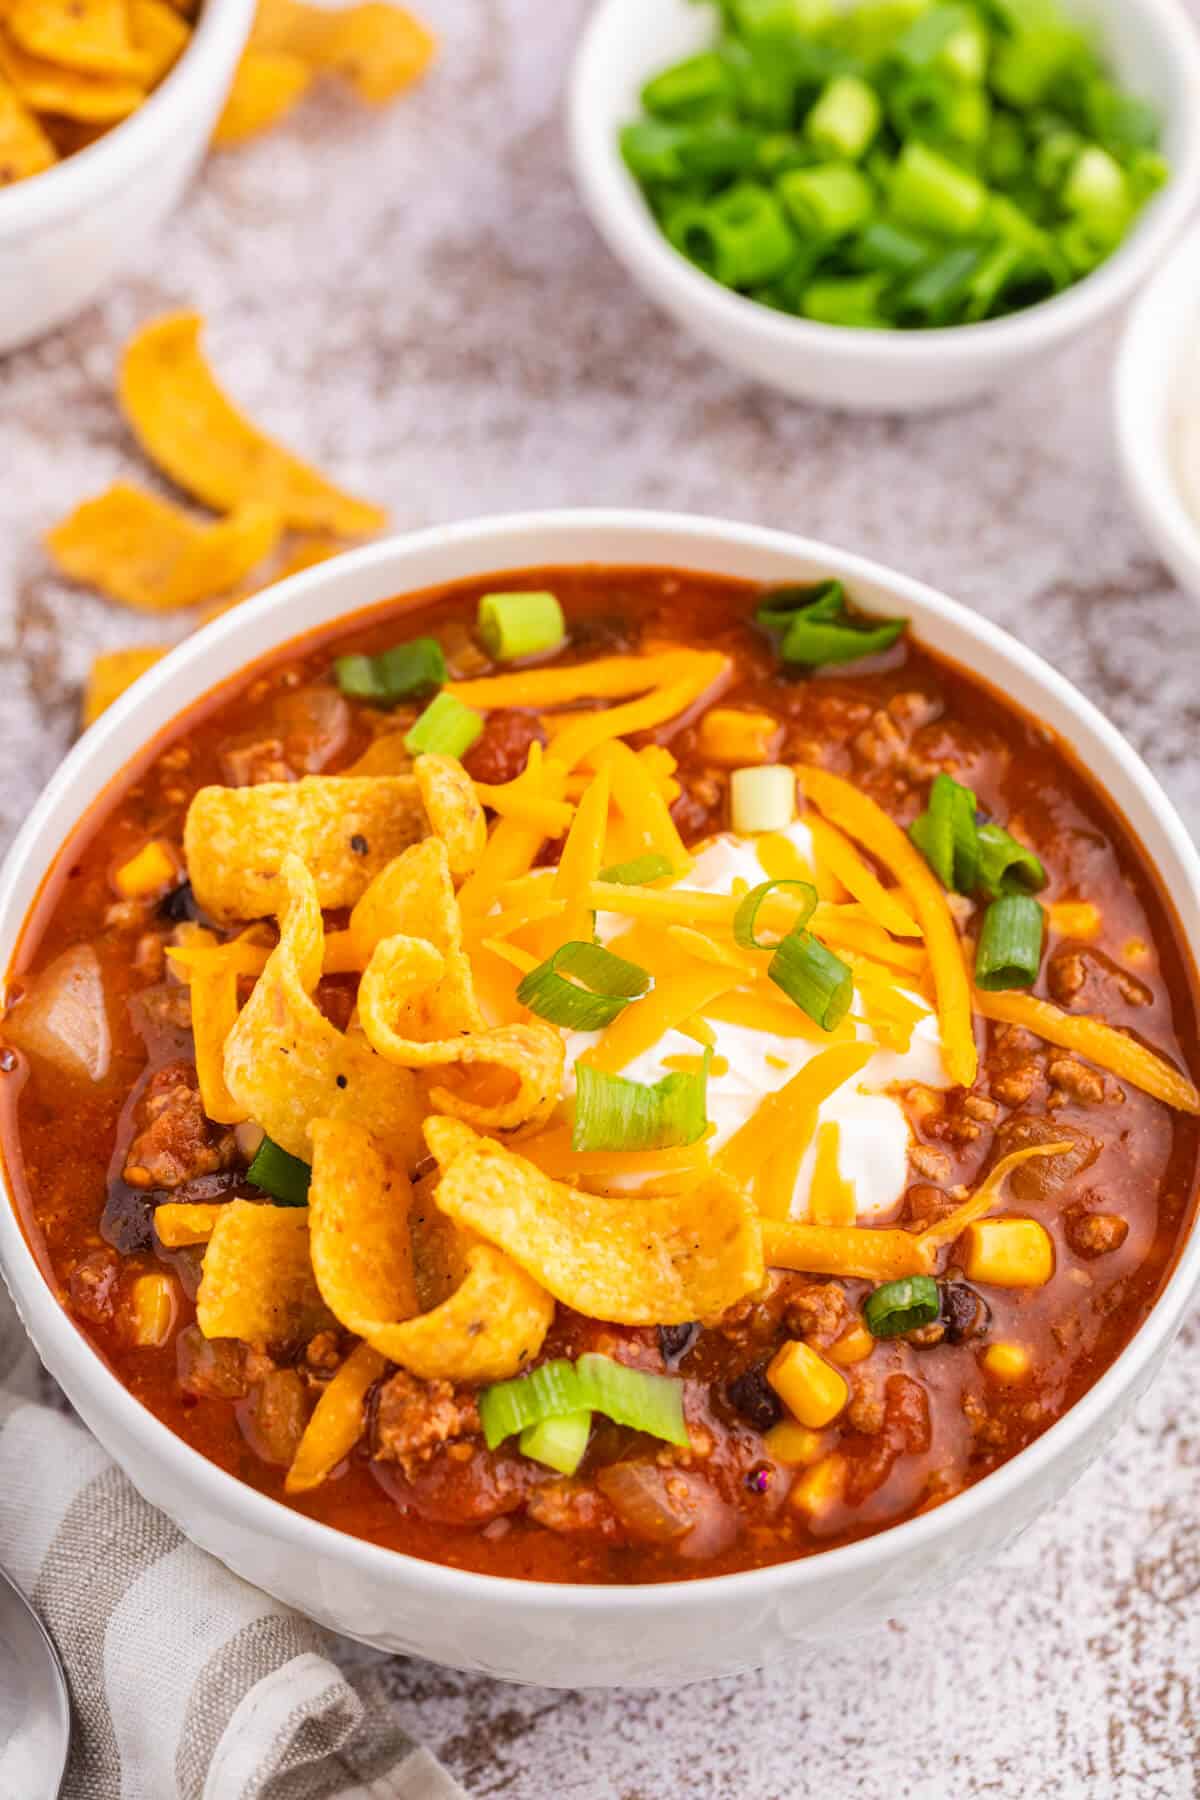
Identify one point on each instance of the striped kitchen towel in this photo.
(186, 1683)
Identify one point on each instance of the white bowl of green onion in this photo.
(887, 204)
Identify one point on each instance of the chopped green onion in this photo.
(639, 871)
(609, 984)
(947, 836)
(900, 1306)
(934, 293)
(819, 982)
(929, 36)
(445, 728)
(818, 600)
(846, 117)
(886, 247)
(633, 1397)
(1005, 866)
(1009, 952)
(650, 149)
(280, 1174)
(846, 300)
(829, 201)
(741, 238)
(516, 625)
(614, 1113)
(400, 673)
(559, 1443)
(933, 193)
(548, 1392)
(688, 88)
(815, 644)
(1097, 191)
(746, 916)
(762, 798)
(559, 1389)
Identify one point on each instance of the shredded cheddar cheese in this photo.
(860, 818)
(582, 857)
(1101, 1044)
(840, 855)
(832, 1199)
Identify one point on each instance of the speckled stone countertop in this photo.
(416, 300)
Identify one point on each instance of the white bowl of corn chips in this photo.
(104, 118)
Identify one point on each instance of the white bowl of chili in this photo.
(67, 231)
(1151, 45)
(563, 1632)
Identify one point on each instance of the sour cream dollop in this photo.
(873, 1131)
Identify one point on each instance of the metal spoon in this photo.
(35, 1712)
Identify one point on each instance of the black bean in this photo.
(179, 905)
(675, 1341)
(754, 1399)
(965, 1314)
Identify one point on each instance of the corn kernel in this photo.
(854, 1346)
(1008, 1253)
(793, 1445)
(180, 1222)
(812, 1391)
(1007, 1362)
(734, 738)
(820, 1487)
(152, 1309)
(1075, 918)
(150, 872)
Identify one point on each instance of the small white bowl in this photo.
(1157, 376)
(1151, 44)
(576, 1636)
(65, 233)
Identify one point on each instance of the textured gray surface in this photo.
(417, 300)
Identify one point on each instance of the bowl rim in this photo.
(1151, 350)
(495, 542)
(74, 183)
(620, 214)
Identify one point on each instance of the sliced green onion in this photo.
(900, 1306)
(1005, 866)
(400, 673)
(614, 1113)
(550, 1391)
(650, 150)
(516, 625)
(762, 798)
(688, 88)
(929, 36)
(817, 600)
(885, 246)
(829, 201)
(852, 300)
(633, 1397)
(846, 117)
(609, 984)
(559, 1443)
(947, 836)
(935, 194)
(1097, 191)
(1009, 952)
(741, 238)
(445, 728)
(815, 644)
(561, 1389)
(639, 871)
(280, 1174)
(936, 293)
(746, 916)
(819, 982)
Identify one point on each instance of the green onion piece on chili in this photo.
(947, 836)
(746, 916)
(762, 798)
(816, 600)
(561, 1389)
(559, 1443)
(614, 1113)
(516, 625)
(1009, 952)
(445, 728)
(603, 987)
(639, 871)
(900, 1306)
(1005, 866)
(548, 1392)
(814, 644)
(811, 976)
(401, 673)
(280, 1174)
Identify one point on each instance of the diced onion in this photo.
(762, 798)
(62, 1016)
